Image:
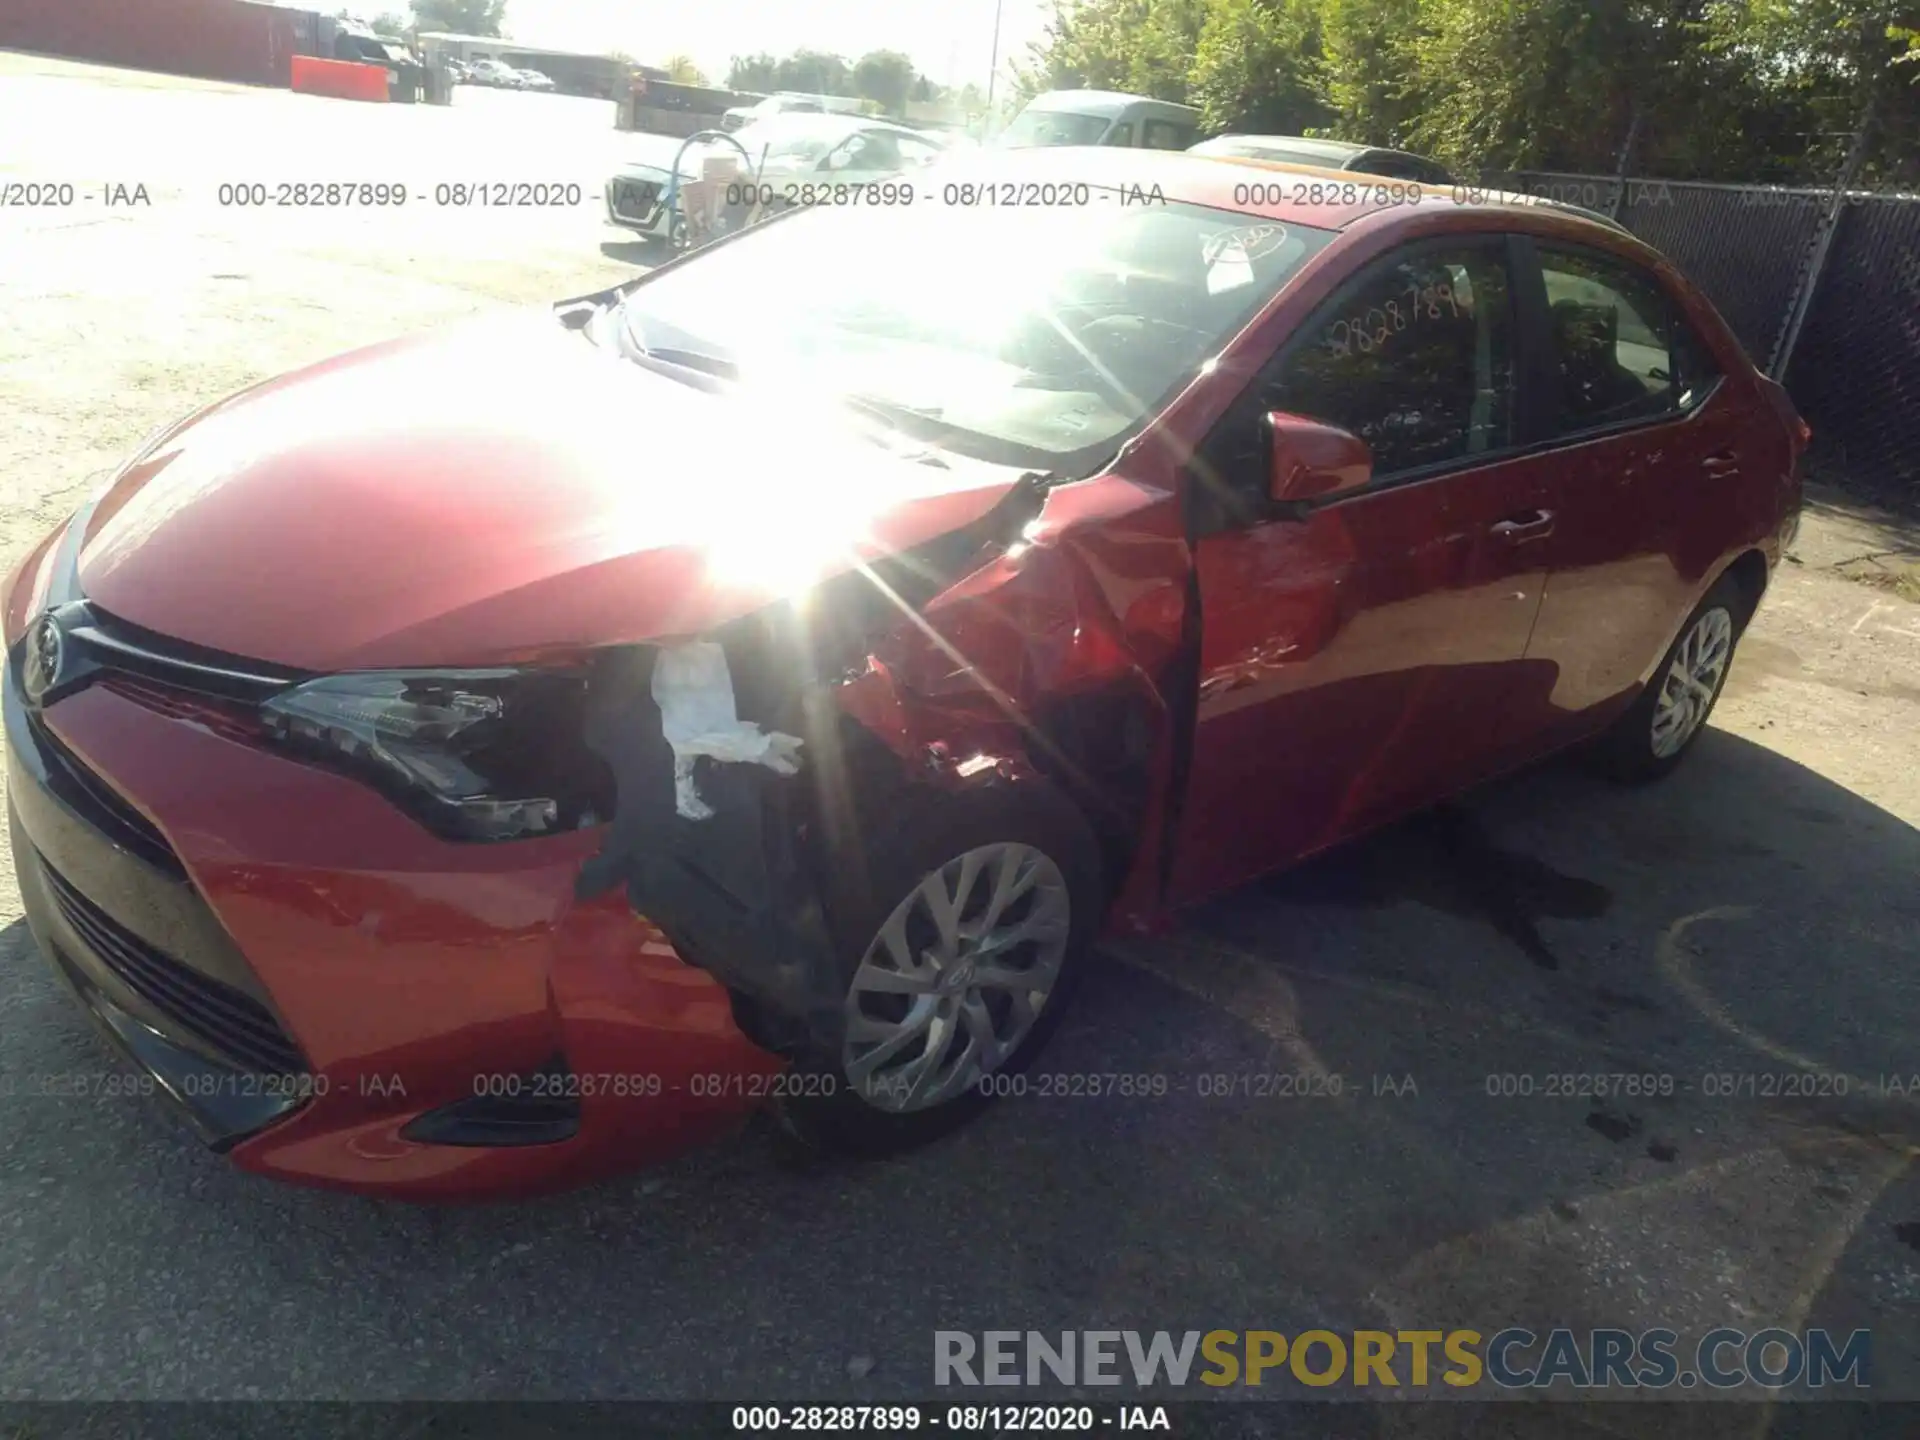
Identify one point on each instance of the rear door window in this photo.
(1619, 349)
(1165, 135)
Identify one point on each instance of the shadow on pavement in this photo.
(1389, 1090)
(644, 253)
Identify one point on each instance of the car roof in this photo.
(1332, 153)
(1102, 102)
(826, 124)
(1220, 181)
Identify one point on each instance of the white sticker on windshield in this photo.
(1252, 241)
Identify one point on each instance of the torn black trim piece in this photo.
(542, 1108)
(747, 892)
(730, 891)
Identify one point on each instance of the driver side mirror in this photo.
(1309, 460)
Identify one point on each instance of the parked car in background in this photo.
(843, 149)
(1328, 155)
(1068, 565)
(1101, 117)
(488, 71)
(741, 116)
(794, 154)
(534, 80)
(458, 71)
(637, 193)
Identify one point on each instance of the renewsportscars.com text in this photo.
(1511, 1359)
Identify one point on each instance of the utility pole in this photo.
(1619, 197)
(993, 68)
(1816, 264)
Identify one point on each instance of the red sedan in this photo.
(491, 759)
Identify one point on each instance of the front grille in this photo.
(106, 643)
(636, 200)
(225, 718)
(232, 1023)
(100, 805)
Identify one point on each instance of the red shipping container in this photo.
(344, 79)
(237, 40)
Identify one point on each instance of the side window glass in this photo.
(1120, 135)
(1417, 360)
(915, 152)
(875, 150)
(1694, 368)
(1620, 349)
(1164, 135)
(1389, 166)
(847, 154)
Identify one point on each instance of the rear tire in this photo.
(1660, 728)
(1020, 873)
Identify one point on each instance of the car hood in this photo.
(494, 492)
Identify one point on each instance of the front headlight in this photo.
(472, 754)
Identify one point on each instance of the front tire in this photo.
(984, 907)
(1660, 728)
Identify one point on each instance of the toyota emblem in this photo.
(46, 648)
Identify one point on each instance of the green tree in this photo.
(1084, 45)
(682, 71)
(1370, 68)
(1257, 68)
(1161, 57)
(1709, 89)
(1543, 83)
(814, 72)
(885, 77)
(461, 17)
(1829, 63)
(752, 73)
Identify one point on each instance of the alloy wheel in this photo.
(1691, 682)
(956, 977)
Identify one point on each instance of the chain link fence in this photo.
(1856, 371)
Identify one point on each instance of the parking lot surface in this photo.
(1755, 916)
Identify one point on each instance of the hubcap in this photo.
(1691, 682)
(956, 977)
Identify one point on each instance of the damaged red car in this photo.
(492, 759)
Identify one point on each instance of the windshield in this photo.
(1054, 127)
(1031, 336)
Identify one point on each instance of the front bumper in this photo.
(639, 204)
(202, 1028)
(319, 994)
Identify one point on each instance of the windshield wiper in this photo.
(906, 417)
(690, 360)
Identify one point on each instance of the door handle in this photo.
(1722, 463)
(1529, 526)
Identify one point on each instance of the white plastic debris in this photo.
(694, 691)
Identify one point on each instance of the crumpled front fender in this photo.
(1051, 643)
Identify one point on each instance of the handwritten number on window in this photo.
(1369, 331)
